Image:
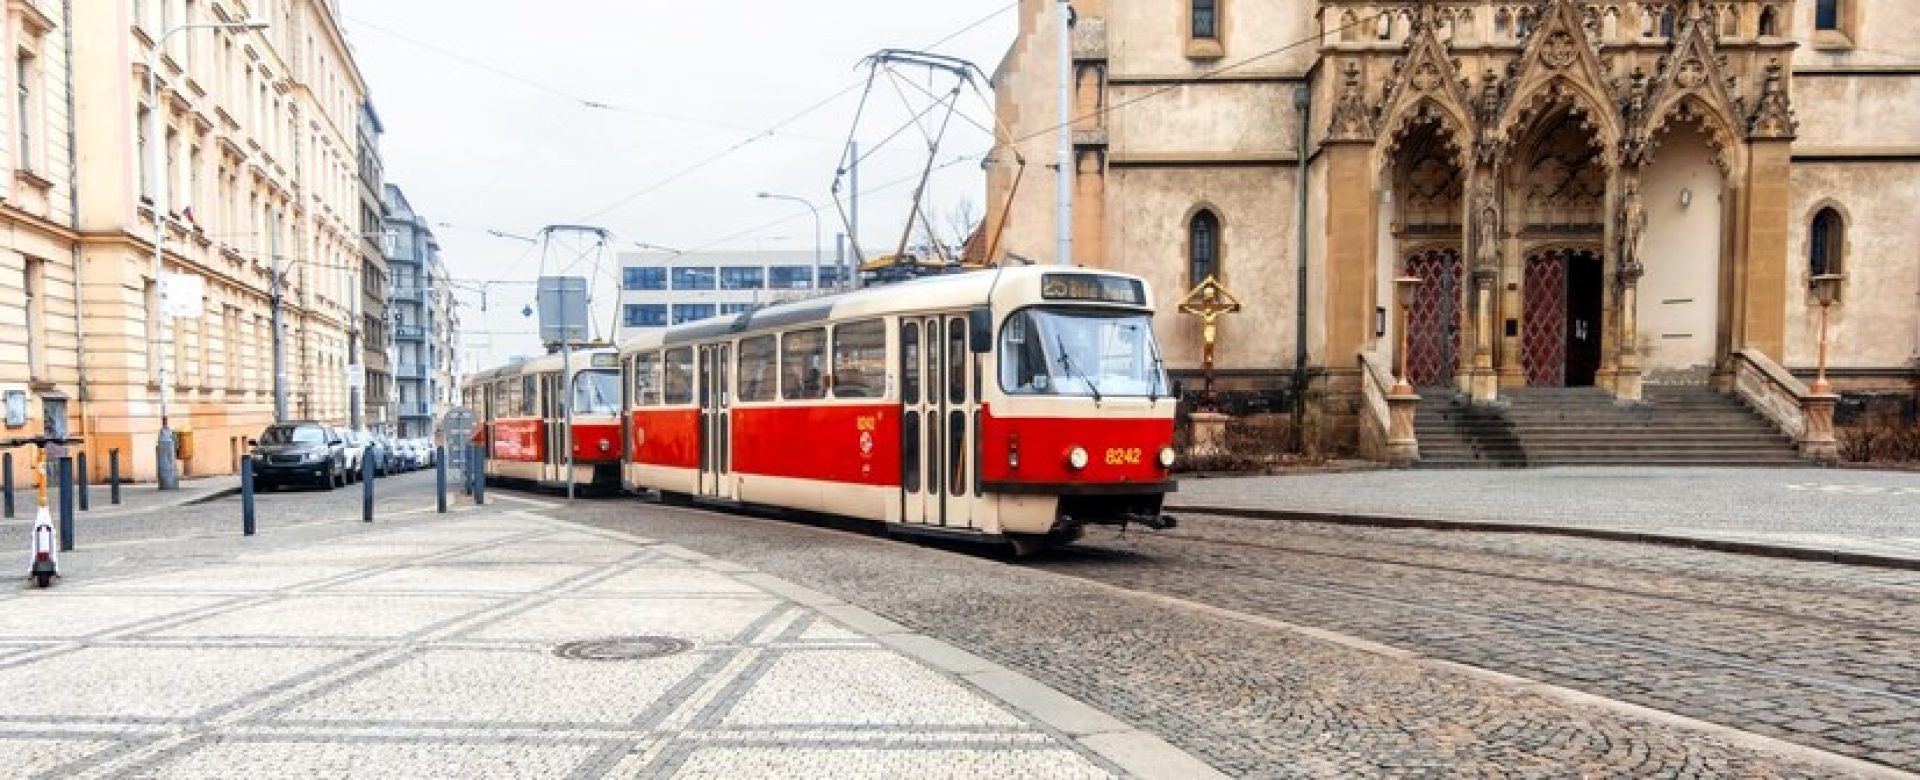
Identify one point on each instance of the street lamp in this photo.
(1826, 287)
(1404, 287)
(659, 248)
(166, 468)
(816, 227)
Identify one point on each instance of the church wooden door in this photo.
(1433, 318)
(1560, 336)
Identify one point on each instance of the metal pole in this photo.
(84, 480)
(366, 489)
(113, 476)
(1303, 103)
(6, 484)
(818, 282)
(1064, 179)
(166, 468)
(566, 361)
(479, 478)
(279, 335)
(440, 478)
(246, 496)
(65, 469)
(853, 207)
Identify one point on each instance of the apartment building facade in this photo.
(373, 409)
(661, 289)
(425, 320)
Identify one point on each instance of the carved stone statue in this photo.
(1486, 206)
(1633, 224)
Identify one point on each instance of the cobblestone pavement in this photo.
(1871, 512)
(426, 647)
(1235, 671)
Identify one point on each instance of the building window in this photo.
(831, 276)
(23, 75)
(33, 282)
(1826, 15)
(1826, 243)
(1206, 19)
(693, 278)
(689, 312)
(750, 278)
(792, 277)
(1203, 247)
(1666, 23)
(141, 142)
(651, 278)
(730, 309)
(644, 315)
(1769, 22)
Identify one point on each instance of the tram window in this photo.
(957, 360)
(910, 452)
(803, 354)
(910, 362)
(529, 393)
(646, 379)
(676, 386)
(860, 360)
(756, 369)
(956, 439)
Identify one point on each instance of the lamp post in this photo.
(1403, 288)
(166, 467)
(816, 228)
(1826, 287)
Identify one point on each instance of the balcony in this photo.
(416, 410)
(408, 294)
(412, 372)
(410, 333)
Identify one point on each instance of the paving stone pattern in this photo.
(426, 650)
(1874, 512)
(1252, 700)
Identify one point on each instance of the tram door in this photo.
(554, 419)
(935, 422)
(715, 420)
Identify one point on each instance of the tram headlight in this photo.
(606, 446)
(1166, 457)
(1077, 458)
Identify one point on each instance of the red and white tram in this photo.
(1016, 405)
(523, 420)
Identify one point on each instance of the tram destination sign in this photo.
(1093, 287)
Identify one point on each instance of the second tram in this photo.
(522, 420)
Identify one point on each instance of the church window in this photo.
(1206, 19)
(1500, 23)
(1666, 23)
(1826, 243)
(1826, 15)
(1384, 27)
(1203, 247)
(1769, 22)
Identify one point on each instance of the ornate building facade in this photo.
(1569, 192)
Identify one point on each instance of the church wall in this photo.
(1680, 293)
(1149, 38)
(1146, 214)
(1203, 120)
(1856, 112)
(1876, 324)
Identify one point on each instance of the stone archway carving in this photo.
(1425, 86)
(1691, 84)
(1560, 63)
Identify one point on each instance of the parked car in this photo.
(404, 457)
(299, 452)
(356, 446)
(381, 451)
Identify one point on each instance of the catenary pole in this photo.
(1063, 178)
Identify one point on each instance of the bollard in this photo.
(84, 480)
(113, 475)
(246, 496)
(479, 479)
(366, 489)
(66, 504)
(440, 478)
(6, 482)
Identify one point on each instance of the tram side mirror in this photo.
(980, 330)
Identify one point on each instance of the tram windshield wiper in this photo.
(1066, 362)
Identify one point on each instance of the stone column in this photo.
(1628, 381)
(1485, 382)
(1402, 447)
(1817, 441)
(1763, 277)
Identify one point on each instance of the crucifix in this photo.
(1209, 301)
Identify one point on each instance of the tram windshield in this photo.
(1080, 352)
(596, 393)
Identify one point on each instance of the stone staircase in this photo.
(1678, 425)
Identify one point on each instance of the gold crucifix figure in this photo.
(1209, 301)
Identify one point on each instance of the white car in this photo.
(356, 451)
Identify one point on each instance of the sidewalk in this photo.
(1848, 516)
(500, 642)
(144, 497)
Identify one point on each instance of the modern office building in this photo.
(660, 289)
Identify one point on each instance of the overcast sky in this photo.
(486, 128)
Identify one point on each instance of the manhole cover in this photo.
(623, 648)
